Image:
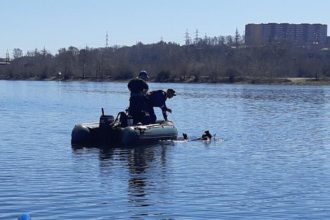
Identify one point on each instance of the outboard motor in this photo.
(106, 121)
(106, 134)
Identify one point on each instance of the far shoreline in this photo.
(246, 81)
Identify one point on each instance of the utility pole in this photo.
(107, 40)
(196, 37)
(7, 57)
(237, 38)
(187, 38)
(6, 60)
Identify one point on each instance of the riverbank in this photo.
(288, 81)
(270, 81)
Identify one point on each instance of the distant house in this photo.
(2, 61)
(299, 34)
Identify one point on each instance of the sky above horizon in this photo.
(55, 24)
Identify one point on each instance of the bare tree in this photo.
(17, 53)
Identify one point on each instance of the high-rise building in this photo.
(300, 34)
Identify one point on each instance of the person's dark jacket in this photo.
(158, 99)
(138, 106)
(137, 85)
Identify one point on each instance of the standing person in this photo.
(158, 99)
(137, 101)
(138, 84)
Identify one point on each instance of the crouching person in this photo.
(158, 99)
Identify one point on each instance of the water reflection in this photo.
(137, 166)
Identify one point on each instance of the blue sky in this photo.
(54, 24)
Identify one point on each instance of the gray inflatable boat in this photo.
(117, 132)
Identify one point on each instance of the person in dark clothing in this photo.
(158, 99)
(138, 85)
(206, 136)
(137, 103)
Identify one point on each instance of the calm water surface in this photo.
(271, 159)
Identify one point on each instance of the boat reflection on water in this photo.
(140, 171)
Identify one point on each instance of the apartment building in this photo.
(300, 34)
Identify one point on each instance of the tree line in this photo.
(217, 59)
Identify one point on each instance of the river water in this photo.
(270, 159)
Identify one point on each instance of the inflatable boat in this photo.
(120, 132)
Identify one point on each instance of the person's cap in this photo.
(171, 91)
(143, 75)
